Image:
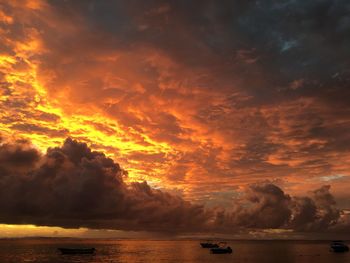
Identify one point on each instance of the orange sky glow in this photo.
(179, 115)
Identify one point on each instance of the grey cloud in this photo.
(315, 213)
(72, 186)
(254, 49)
(17, 156)
(265, 205)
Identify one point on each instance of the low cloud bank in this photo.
(72, 186)
(266, 206)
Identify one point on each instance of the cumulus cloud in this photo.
(266, 206)
(72, 186)
(200, 78)
(18, 156)
(316, 212)
(188, 94)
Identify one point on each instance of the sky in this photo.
(121, 118)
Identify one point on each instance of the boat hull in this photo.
(73, 251)
(339, 246)
(209, 245)
(221, 250)
(339, 249)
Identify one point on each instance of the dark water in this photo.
(45, 250)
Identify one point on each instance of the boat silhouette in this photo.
(338, 246)
(209, 244)
(221, 250)
(64, 250)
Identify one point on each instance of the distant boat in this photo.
(221, 250)
(209, 245)
(76, 250)
(338, 246)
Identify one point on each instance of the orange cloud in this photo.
(179, 114)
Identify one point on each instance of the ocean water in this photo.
(45, 250)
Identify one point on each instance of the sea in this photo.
(154, 251)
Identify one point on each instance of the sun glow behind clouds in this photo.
(8, 231)
(18, 231)
(45, 121)
(150, 89)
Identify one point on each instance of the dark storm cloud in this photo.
(265, 206)
(17, 156)
(297, 40)
(316, 212)
(72, 187)
(238, 91)
(269, 207)
(262, 206)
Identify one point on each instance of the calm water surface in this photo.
(168, 251)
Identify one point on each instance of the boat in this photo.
(221, 250)
(76, 250)
(209, 245)
(338, 246)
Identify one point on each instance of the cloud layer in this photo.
(72, 186)
(266, 206)
(198, 98)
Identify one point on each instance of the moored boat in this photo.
(221, 250)
(76, 250)
(209, 245)
(338, 246)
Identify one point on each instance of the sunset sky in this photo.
(120, 118)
